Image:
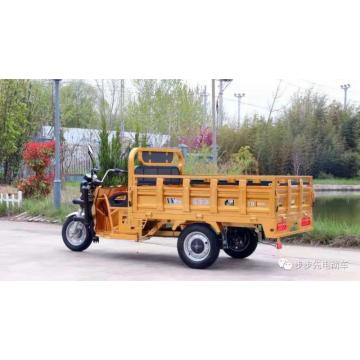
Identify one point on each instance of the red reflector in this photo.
(281, 227)
(305, 221)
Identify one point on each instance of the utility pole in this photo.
(122, 117)
(57, 178)
(204, 96)
(221, 100)
(345, 87)
(213, 115)
(221, 104)
(239, 96)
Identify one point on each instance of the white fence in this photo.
(11, 199)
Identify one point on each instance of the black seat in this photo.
(119, 199)
(197, 182)
(225, 182)
(157, 170)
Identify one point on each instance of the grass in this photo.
(4, 211)
(45, 207)
(330, 233)
(337, 181)
(72, 184)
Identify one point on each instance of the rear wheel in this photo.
(198, 246)
(76, 235)
(241, 242)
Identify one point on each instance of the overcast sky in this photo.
(306, 43)
(259, 92)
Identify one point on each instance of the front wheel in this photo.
(242, 242)
(198, 246)
(76, 235)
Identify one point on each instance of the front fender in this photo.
(75, 213)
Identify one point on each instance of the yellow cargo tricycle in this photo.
(205, 213)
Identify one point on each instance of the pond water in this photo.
(342, 206)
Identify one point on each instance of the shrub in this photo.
(114, 154)
(200, 163)
(243, 162)
(199, 141)
(36, 185)
(38, 157)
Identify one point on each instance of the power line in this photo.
(294, 85)
(247, 103)
(320, 85)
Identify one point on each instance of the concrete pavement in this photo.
(33, 251)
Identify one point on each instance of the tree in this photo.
(15, 127)
(104, 150)
(309, 137)
(113, 154)
(25, 105)
(78, 105)
(109, 101)
(165, 107)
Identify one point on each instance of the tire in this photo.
(81, 237)
(242, 242)
(198, 246)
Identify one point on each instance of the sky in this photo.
(306, 43)
(259, 93)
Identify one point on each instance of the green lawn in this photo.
(45, 207)
(331, 233)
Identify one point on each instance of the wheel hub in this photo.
(196, 246)
(239, 241)
(76, 233)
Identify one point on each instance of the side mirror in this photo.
(91, 154)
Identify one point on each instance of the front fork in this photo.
(86, 202)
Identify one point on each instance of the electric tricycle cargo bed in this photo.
(206, 213)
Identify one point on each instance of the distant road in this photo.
(32, 251)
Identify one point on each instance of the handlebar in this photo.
(116, 171)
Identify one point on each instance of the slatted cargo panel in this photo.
(258, 195)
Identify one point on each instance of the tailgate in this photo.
(294, 205)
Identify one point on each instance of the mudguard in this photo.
(75, 213)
